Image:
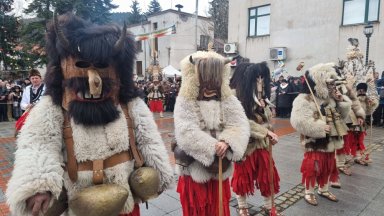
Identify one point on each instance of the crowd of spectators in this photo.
(284, 91)
(170, 89)
(11, 92)
(378, 115)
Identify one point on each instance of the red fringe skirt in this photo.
(353, 142)
(135, 212)
(254, 171)
(318, 167)
(156, 105)
(347, 144)
(358, 142)
(202, 199)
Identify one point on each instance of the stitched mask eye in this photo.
(100, 65)
(82, 64)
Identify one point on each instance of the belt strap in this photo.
(107, 163)
(68, 140)
(139, 161)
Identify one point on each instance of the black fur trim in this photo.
(244, 81)
(93, 113)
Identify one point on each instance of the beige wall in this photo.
(311, 30)
(172, 48)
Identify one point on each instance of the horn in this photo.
(119, 43)
(269, 103)
(191, 60)
(59, 32)
(256, 100)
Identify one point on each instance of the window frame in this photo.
(366, 14)
(255, 17)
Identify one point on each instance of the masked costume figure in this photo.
(209, 121)
(358, 133)
(362, 92)
(322, 128)
(251, 83)
(76, 139)
(355, 120)
(156, 92)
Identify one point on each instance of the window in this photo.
(259, 18)
(204, 40)
(139, 46)
(139, 68)
(360, 11)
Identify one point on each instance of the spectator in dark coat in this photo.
(283, 99)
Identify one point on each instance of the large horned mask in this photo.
(91, 87)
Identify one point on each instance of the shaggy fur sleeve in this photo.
(150, 143)
(38, 157)
(257, 130)
(303, 118)
(344, 107)
(356, 106)
(236, 128)
(189, 136)
(371, 106)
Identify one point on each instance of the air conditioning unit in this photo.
(278, 53)
(230, 48)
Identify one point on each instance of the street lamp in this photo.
(368, 31)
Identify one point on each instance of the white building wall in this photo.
(172, 48)
(311, 30)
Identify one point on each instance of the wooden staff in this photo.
(314, 98)
(300, 68)
(272, 212)
(220, 187)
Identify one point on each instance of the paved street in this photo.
(361, 194)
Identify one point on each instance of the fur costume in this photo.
(41, 152)
(194, 119)
(319, 164)
(357, 74)
(251, 83)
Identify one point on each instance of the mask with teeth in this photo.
(89, 86)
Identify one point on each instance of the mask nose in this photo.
(95, 83)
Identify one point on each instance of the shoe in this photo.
(345, 170)
(242, 212)
(310, 199)
(328, 195)
(361, 162)
(267, 211)
(336, 185)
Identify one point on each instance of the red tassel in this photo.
(135, 211)
(273, 212)
(20, 122)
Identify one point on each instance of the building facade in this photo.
(171, 49)
(307, 31)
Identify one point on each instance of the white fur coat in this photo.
(39, 157)
(193, 121)
(304, 118)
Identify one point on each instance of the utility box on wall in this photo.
(230, 48)
(278, 53)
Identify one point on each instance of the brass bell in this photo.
(99, 200)
(145, 183)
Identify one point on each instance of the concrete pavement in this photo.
(361, 194)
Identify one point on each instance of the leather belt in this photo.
(107, 163)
